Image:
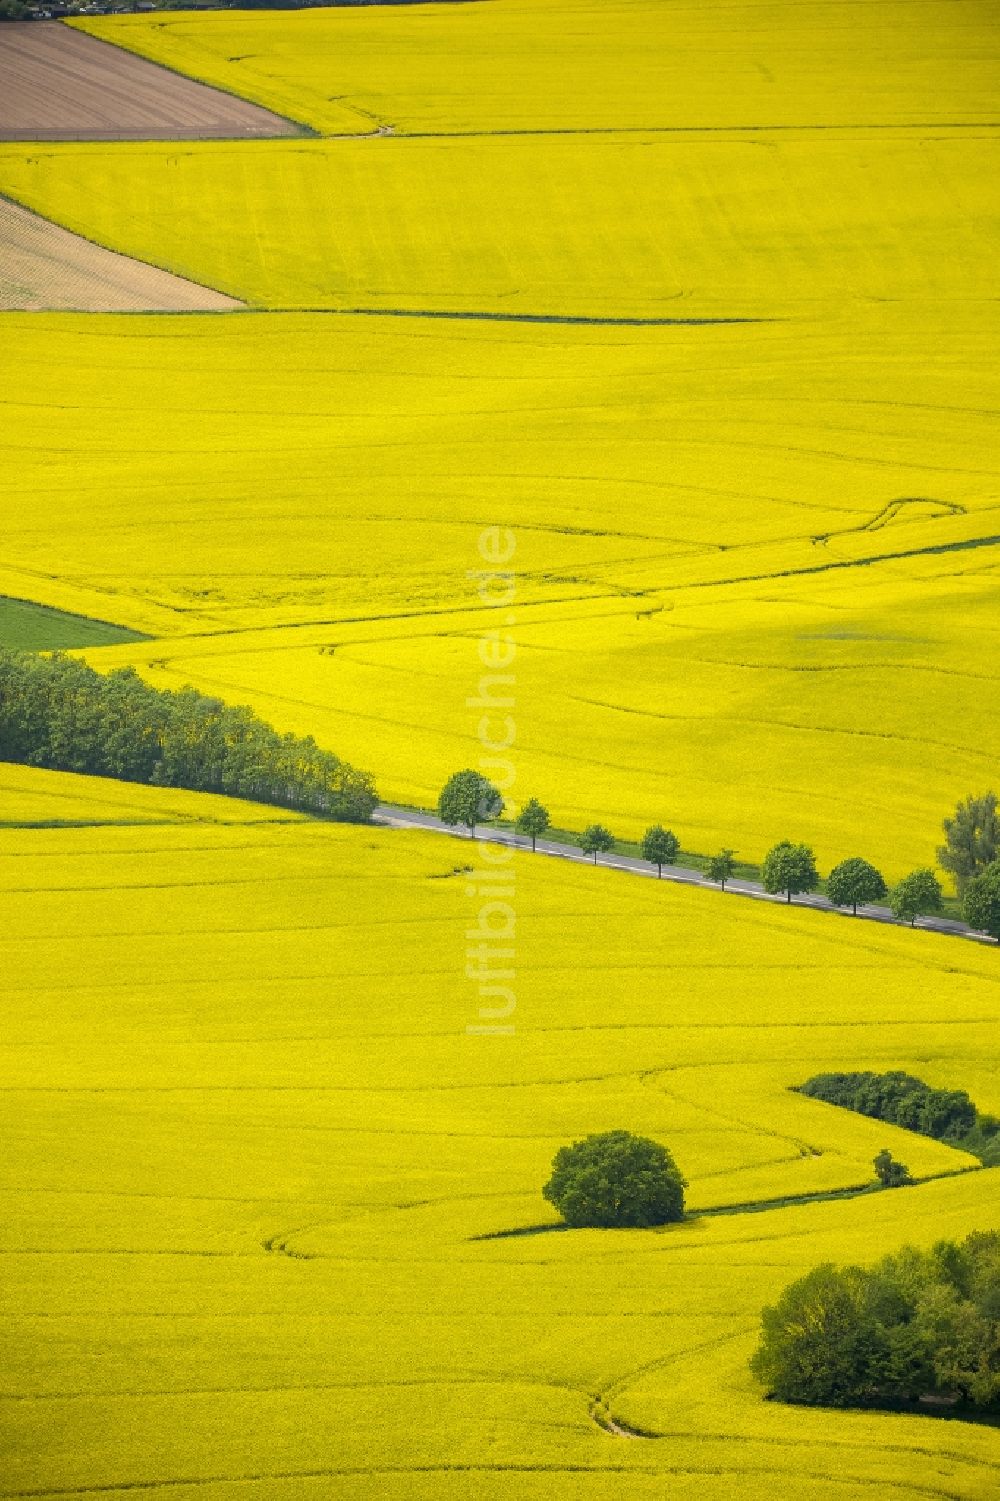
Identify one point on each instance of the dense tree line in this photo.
(947, 1115)
(919, 1324)
(57, 712)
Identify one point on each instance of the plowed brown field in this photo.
(45, 267)
(58, 84)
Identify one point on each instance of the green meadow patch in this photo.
(29, 627)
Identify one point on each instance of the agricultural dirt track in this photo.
(58, 84)
(43, 267)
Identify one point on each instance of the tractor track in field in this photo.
(748, 1206)
(279, 1244)
(592, 320)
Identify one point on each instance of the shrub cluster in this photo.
(919, 1324)
(946, 1114)
(57, 712)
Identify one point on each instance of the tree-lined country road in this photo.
(412, 818)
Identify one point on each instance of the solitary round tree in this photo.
(660, 847)
(917, 894)
(854, 883)
(532, 820)
(469, 798)
(596, 840)
(981, 903)
(616, 1180)
(790, 868)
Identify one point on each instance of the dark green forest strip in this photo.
(29, 627)
(58, 714)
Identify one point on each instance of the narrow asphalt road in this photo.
(410, 818)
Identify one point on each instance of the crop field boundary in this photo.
(715, 1211)
(656, 130)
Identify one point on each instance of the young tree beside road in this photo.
(721, 867)
(916, 895)
(469, 798)
(596, 840)
(854, 883)
(660, 847)
(532, 820)
(790, 868)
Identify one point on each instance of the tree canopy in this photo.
(916, 895)
(721, 867)
(596, 840)
(532, 820)
(918, 1324)
(790, 868)
(57, 712)
(981, 902)
(889, 1172)
(660, 847)
(614, 1180)
(469, 798)
(854, 883)
(972, 839)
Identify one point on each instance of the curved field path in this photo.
(59, 84)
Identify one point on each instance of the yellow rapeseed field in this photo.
(543, 65)
(755, 561)
(250, 1146)
(756, 576)
(700, 224)
(256, 1164)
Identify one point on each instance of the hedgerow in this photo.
(947, 1115)
(58, 713)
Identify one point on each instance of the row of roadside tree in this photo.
(971, 853)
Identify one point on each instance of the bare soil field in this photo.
(58, 84)
(43, 267)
